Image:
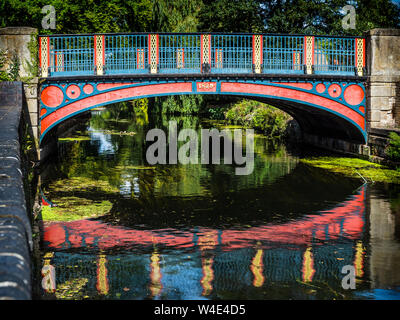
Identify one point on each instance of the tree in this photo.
(230, 16)
(80, 16)
(176, 15)
(325, 16)
(376, 14)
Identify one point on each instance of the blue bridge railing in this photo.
(102, 54)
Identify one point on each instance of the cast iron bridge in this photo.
(319, 80)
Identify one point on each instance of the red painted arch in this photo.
(299, 93)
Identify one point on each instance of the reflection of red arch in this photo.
(346, 218)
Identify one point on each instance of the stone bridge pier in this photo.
(383, 86)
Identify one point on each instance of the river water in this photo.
(115, 227)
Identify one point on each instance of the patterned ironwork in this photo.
(257, 53)
(59, 62)
(309, 54)
(205, 52)
(296, 61)
(99, 54)
(71, 55)
(153, 53)
(180, 58)
(360, 59)
(44, 56)
(219, 58)
(334, 56)
(140, 64)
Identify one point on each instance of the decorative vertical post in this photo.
(257, 53)
(205, 53)
(153, 53)
(359, 56)
(219, 55)
(296, 60)
(44, 56)
(99, 56)
(59, 62)
(309, 54)
(140, 59)
(180, 58)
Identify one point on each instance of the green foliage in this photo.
(376, 14)
(176, 15)
(289, 16)
(217, 113)
(179, 104)
(393, 150)
(231, 16)
(325, 17)
(32, 66)
(267, 119)
(14, 67)
(73, 16)
(9, 67)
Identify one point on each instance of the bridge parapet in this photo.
(194, 53)
(383, 90)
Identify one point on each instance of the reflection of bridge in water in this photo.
(310, 249)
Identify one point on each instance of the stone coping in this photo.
(15, 227)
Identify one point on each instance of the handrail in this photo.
(191, 53)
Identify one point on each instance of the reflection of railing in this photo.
(175, 53)
(345, 220)
(286, 252)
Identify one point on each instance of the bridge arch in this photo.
(328, 108)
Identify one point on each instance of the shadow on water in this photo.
(200, 231)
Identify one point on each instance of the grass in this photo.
(355, 168)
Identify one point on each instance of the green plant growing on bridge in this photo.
(393, 150)
(9, 66)
(32, 66)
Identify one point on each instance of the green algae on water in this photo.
(78, 184)
(71, 289)
(355, 168)
(79, 138)
(74, 208)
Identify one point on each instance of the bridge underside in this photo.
(333, 107)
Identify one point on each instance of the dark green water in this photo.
(200, 231)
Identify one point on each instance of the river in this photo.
(115, 227)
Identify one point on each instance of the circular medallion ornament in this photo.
(334, 90)
(354, 94)
(320, 88)
(88, 89)
(52, 96)
(73, 91)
